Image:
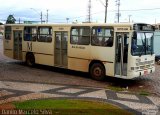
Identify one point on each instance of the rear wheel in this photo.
(97, 71)
(30, 60)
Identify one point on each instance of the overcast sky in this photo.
(59, 10)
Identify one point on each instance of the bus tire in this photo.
(97, 71)
(30, 60)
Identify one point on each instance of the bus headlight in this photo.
(138, 60)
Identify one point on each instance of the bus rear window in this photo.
(8, 32)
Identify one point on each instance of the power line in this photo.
(142, 9)
(102, 3)
(118, 10)
(135, 10)
(113, 11)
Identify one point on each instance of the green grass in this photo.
(116, 88)
(144, 93)
(139, 92)
(72, 107)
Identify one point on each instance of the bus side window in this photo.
(74, 35)
(34, 34)
(102, 36)
(27, 34)
(85, 36)
(80, 35)
(95, 40)
(74, 39)
(108, 42)
(45, 34)
(8, 32)
(30, 33)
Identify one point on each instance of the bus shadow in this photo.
(108, 81)
(54, 69)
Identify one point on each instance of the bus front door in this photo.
(61, 41)
(17, 34)
(121, 54)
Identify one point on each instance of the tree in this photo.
(1, 23)
(10, 19)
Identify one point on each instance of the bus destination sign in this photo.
(143, 27)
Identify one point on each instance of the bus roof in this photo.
(74, 24)
(132, 26)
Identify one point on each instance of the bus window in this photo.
(80, 35)
(74, 36)
(30, 34)
(102, 36)
(45, 34)
(8, 32)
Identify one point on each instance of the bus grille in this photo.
(142, 67)
(145, 67)
(146, 62)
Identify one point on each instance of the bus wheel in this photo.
(97, 71)
(30, 60)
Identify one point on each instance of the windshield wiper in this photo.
(143, 44)
(142, 50)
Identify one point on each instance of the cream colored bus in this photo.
(117, 50)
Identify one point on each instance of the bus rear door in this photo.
(61, 49)
(17, 43)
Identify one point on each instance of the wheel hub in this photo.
(97, 72)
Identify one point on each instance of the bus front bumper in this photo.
(139, 73)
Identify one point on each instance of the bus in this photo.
(116, 50)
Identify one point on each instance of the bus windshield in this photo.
(142, 43)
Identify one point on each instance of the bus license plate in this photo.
(145, 72)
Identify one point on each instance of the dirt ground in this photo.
(12, 70)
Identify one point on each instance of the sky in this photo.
(146, 11)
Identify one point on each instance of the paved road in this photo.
(20, 91)
(1, 36)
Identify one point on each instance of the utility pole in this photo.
(89, 12)
(106, 6)
(67, 19)
(129, 16)
(118, 10)
(19, 20)
(41, 17)
(47, 17)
